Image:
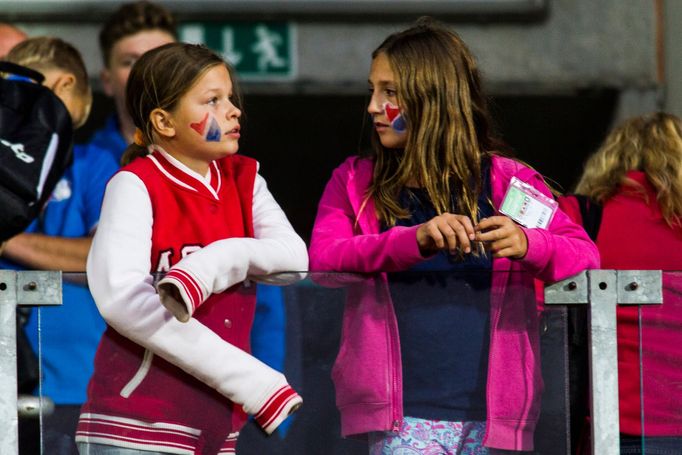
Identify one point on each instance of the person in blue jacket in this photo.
(65, 336)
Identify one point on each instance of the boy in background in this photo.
(59, 240)
(132, 30)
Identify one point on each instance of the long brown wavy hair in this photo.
(448, 125)
(650, 143)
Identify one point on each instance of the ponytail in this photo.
(133, 152)
(137, 149)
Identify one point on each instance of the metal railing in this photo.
(601, 290)
(18, 288)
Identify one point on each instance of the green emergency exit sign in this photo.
(257, 50)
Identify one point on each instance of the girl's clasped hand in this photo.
(456, 233)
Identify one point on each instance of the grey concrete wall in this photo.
(673, 56)
(580, 43)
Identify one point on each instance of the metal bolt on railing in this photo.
(602, 291)
(34, 288)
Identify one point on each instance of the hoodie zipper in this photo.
(494, 320)
(394, 386)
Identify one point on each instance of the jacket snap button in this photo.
(228, 323)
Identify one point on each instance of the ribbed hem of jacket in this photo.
(136, 434)
(510, 434)
(363, 418)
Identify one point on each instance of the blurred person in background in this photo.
(629, 199)
(61, 237)
(132, 30)
(58, 240)
(10, 36)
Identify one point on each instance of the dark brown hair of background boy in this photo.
(132, 18)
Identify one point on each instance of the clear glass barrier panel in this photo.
(307, 321)
(650, 372)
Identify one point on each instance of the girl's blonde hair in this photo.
(448, 126)
(651, 143)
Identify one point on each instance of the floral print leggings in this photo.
(432, 437)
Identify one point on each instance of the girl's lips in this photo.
(234, 132)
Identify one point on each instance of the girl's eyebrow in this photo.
(212, 89)
(381, 82)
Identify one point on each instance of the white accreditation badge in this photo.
(528, 206)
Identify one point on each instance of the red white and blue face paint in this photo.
(209, 130)
(394, 116)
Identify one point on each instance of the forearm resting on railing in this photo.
(42, 252)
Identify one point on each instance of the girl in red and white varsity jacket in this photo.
(172, 372)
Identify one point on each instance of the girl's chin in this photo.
(231, 150)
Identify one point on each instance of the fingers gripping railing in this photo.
(603, 290)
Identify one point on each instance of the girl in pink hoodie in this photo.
(439, 350)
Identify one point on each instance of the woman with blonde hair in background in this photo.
(630, 200)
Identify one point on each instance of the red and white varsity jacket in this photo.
(183, 387)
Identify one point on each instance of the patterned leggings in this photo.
(430, 437)
(433, 437)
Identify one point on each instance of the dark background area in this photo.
(300, 139)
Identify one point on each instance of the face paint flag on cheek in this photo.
(395, 117)
(213, 134)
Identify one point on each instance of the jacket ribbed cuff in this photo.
(189, 290)
(277, 408)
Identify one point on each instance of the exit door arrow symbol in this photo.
(229, 51)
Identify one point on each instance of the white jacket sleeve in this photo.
(119, 277)
(224, 263)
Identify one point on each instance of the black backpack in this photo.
(36, 136)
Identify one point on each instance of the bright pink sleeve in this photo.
(560, 251)
(336, 244)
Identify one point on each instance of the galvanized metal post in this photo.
(9, 425)
(18, 288)
(602, 342)
(603, 290)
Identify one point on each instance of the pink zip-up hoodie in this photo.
(367, 373)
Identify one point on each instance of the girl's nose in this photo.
(374, 107)
(233, 112)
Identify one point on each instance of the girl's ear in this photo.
(162, 123)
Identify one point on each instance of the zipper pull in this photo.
(396, 426)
